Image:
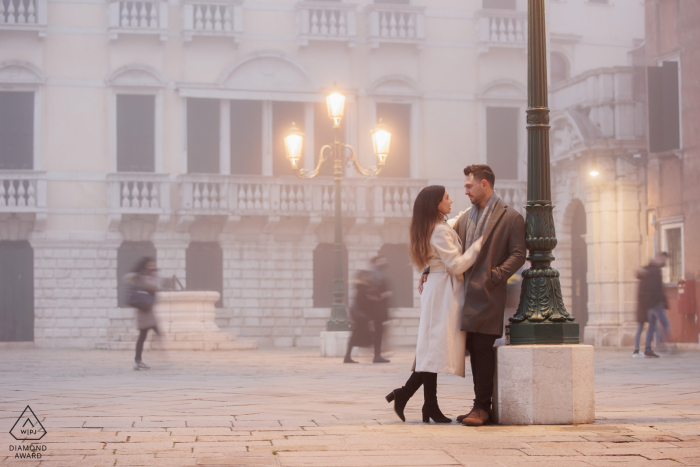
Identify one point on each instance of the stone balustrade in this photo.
(326, 21)
(398, 24)
(212, 18)
(501, 28)
(513, 193)
(224, 194)
(138, 17)
(24, 15)
(22, 191)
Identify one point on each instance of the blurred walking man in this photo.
(653, 299)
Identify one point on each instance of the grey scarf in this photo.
(478, 220)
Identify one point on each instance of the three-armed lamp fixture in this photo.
(341, 154)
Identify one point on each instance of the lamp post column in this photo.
(339, 318)
(541, 317)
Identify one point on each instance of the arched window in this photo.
(204, 268)
(560, 67)
(324, 273)
(128, 254)
(399, 273)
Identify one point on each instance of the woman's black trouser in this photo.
(141, 340)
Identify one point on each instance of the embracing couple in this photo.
(467, 261)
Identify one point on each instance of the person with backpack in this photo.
(142, 285)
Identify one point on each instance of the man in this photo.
(652, 301)
(382, 289)
(502, 254)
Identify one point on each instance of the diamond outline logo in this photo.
(33, 424)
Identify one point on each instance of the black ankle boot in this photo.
(401, 395)
(430, 406)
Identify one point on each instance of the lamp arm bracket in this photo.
(370, 172)
(304, 173)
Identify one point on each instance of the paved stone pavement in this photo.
(293, 408)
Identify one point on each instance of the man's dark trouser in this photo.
(483, 361)
(378, 333)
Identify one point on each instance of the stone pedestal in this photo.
(335, 343)
(544, 385)
(186, 322)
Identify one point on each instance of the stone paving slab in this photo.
(291, 408)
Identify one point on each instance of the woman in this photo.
(143, 284)
(441, 343)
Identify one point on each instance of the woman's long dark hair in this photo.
(425, 216)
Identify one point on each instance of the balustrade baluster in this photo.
(284, 205)
(133, 16)
(2, 15)
(411, 25)
(392, 26)
(3, 202)
(214, 197)
(387, 199)
(21, 201)
(511, 30)
(227, 19)
(292, 198)
(300, 198)
(155, 202)
(402, 25)
(198, 21)
(11, 19)
(494, 30)
(217, 18)
(502, 37)
(519, 31)
(342, 24)
(314, 22)
(241, 197)
(324, 23)
(258, 197)
(31, 193)
(384, 25)
(11, 193)
(206, 203)
(197, 196)
(405, 205)
(397, 200)
(153, 23)
(208, 25)
(20, 12)
(31, 12)
(249, 198)
(143, 195)
(266, 197)
(326, 199)
(333, 24)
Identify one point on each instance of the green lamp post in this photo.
(541, 317)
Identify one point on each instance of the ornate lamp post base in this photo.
(542, 333)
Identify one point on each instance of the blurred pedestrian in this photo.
(361, 313)
(142, 285)
(653, 300)
(380, 297)
(441, 343)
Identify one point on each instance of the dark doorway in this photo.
(128, 254)
(399, 272)
(579, 267)
(16, 291)
(324, 273)
(204, 268)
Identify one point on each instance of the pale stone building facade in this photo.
(154, 127)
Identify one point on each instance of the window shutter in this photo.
(671, 106)
(16, 130)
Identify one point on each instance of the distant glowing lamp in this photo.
(293, 143)
(336, 107)
(381, 140)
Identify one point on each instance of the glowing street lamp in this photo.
(341, 154)
(293, 144)
(594, 173)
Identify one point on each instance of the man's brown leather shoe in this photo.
(477, 417)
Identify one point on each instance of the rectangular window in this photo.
(499, 4)
(246, 137)
(283, 115)
(664, 108)
(398, 118)
(16, 130)
(673, 244)
(136, 133)
(502, 141)
(203, 143)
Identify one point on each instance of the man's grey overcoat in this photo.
(502, 253)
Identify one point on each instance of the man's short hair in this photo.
(480, 172)
(664, 254)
